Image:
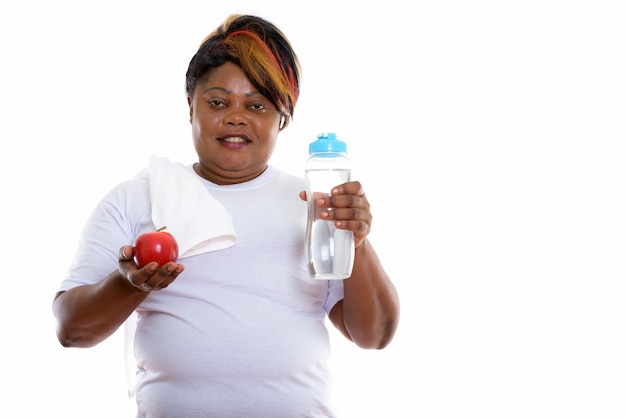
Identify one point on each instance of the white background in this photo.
(489, 136)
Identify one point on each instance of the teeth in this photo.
(234, 139)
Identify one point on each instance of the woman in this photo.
(236, 329)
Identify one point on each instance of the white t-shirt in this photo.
(241, 332)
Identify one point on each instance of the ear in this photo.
(284, 121)
(190, 103)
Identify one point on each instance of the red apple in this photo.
(159, 246)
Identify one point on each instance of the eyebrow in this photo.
(249, 94)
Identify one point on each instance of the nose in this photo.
(235, 116)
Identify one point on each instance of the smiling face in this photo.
(234, 127)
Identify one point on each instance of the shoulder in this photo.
(287, 179)
(129, 189)
(130, 198)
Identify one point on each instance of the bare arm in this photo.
(87, 315)
(370, 310)
(369, 313)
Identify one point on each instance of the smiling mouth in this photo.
(233, 139)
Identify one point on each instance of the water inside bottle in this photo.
(335, 249)
(330, 250)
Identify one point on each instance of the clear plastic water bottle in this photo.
(330, 251)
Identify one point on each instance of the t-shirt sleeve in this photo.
(117, 219)
(335, 294)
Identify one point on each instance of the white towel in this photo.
(180, 202)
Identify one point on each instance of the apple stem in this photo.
(161, 228)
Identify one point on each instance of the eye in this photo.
(216, 102)
(257, 106)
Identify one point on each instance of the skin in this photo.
(235, 129)
(226, 106)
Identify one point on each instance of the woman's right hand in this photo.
(151, 276)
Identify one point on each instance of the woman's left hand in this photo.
(348, 207)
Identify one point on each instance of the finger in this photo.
(347, 214)
(124, 254)
(358, 227)
(346, 201)
(162, 277)
(148, 286)
(351, 187)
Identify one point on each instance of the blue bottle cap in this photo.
(327, 142)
